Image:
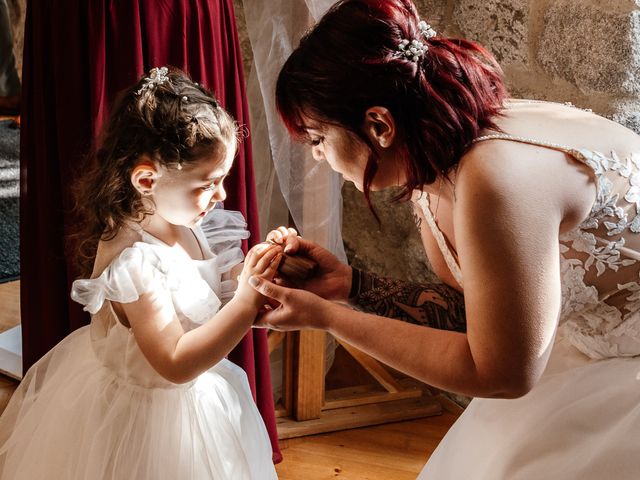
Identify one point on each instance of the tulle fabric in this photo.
(579, 422)
(137, 270)
(312, 190)
(223, 231)
(74, 419)
(94, 408)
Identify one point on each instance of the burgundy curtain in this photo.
(77, 55)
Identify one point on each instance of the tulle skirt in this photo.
(581, 421)
(72, 418)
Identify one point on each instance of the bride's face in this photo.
(348, 155)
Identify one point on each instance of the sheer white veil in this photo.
(311, 190)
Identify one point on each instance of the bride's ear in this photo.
(380, 126)
(144, 175)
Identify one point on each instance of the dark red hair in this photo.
(350, 62)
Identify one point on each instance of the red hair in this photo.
(350, 62)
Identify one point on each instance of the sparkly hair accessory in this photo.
(415, 49)
(157, 76)
(426, 29)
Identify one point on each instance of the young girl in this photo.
(144, 391)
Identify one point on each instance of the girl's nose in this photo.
(219, 195)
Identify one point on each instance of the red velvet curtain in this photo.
(77, 55)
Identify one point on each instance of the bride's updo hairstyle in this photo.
(352, 60)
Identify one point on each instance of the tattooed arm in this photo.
(435, 305)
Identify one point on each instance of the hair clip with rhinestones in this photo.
(414, 49)
(157, 76)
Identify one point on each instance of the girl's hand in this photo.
(262, 262)
(296, 310)
(332, 280)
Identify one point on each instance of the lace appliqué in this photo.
(597, 329)
(606, 205)
(607, 211)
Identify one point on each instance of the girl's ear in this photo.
(144, 175)
(380, 126)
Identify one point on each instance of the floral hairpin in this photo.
(426, 30)
(157, 76)
(415, 49)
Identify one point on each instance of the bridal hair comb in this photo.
(415, 49)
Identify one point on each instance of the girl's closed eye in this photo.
(316, 141)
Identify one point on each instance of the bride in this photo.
(530, 209)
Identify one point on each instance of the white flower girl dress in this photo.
(94, 408)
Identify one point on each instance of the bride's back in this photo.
(600, 245)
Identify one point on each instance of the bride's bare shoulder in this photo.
(567, 125)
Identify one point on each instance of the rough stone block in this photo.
(392, 248)
(499, 25)
(627, 114)
(433, 12)
(593, 45)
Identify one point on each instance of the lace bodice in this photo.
(599, 260)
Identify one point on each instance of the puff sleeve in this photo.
(137, 270)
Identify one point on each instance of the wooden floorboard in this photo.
(394, 451)
(9, 318)
(9, 305)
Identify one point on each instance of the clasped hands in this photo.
(310, 303)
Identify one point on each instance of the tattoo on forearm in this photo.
(434, 305)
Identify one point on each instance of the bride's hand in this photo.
(296, 309)
(332, 279)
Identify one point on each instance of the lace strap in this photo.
(451, 262)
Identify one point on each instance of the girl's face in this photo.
(184, 197)
(348, 155)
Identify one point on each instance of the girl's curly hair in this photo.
(175, 122)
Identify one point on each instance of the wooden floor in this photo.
(9, 318)
(9, 305)
(396, 451)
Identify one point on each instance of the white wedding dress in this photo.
(94, 408)
(582, 419)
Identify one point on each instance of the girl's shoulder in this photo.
(109, 250)
(123, 272)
